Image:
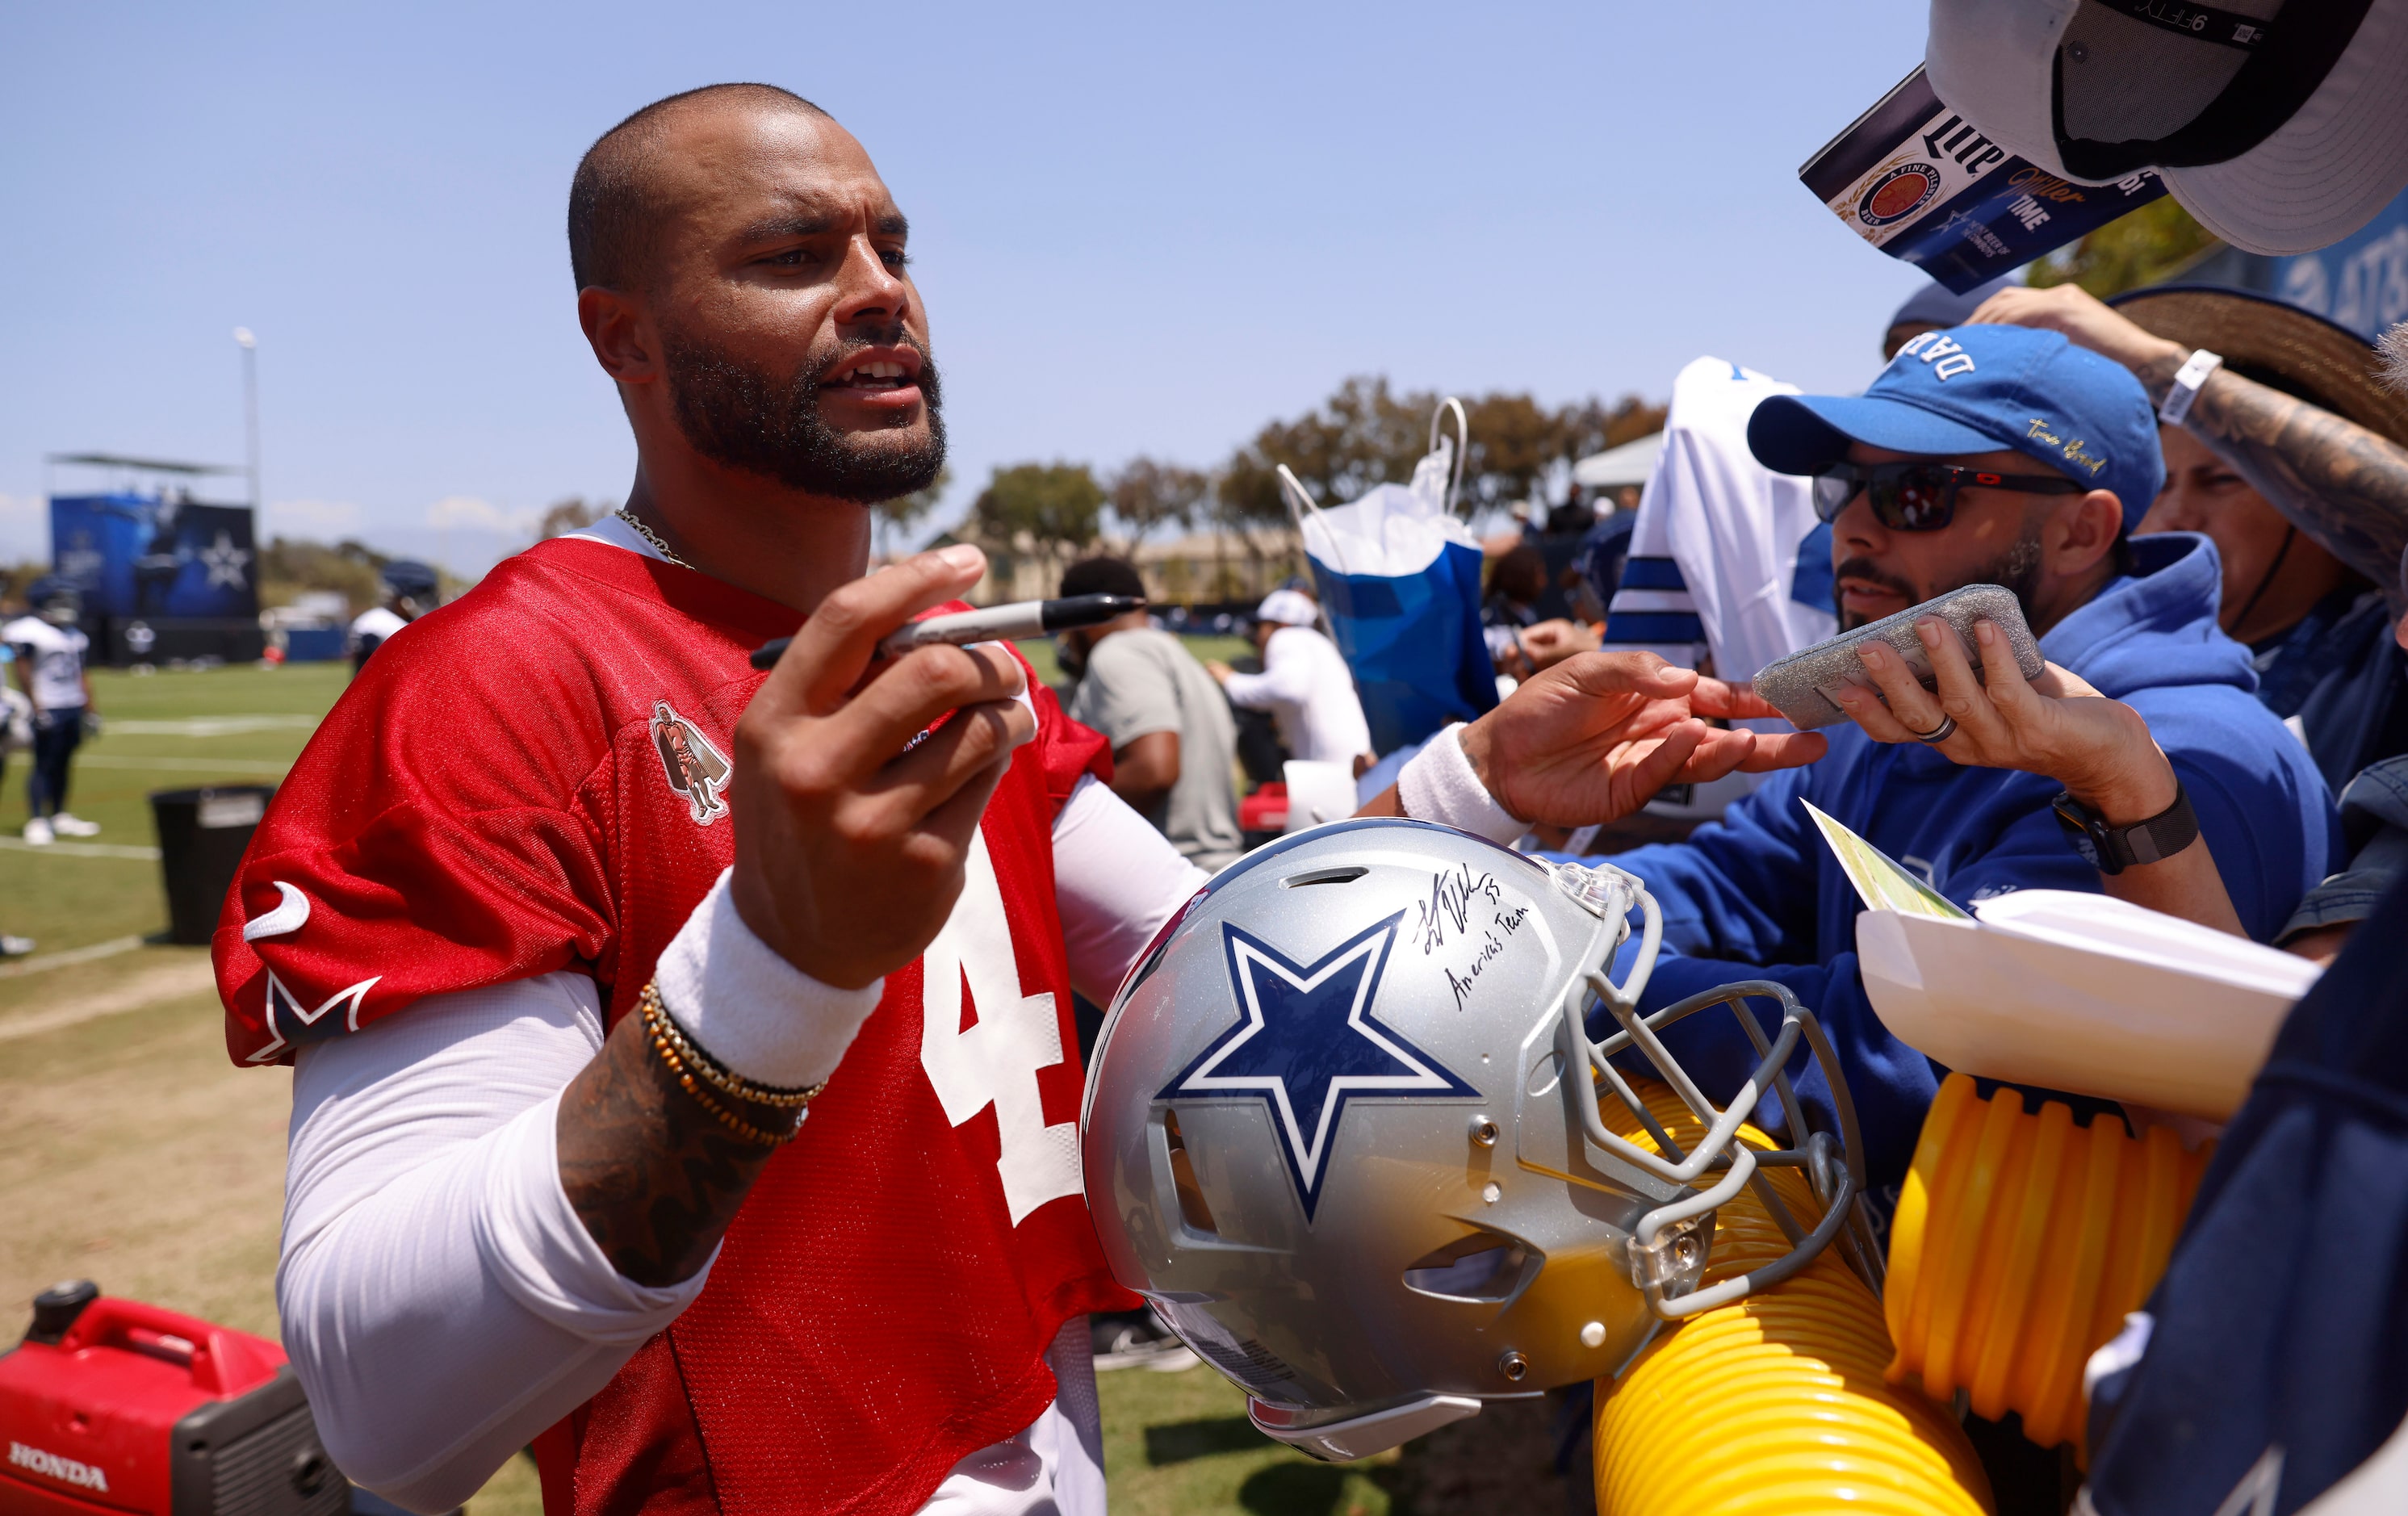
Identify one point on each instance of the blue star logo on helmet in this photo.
(1306, 1043)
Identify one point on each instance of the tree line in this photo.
(1365, 433)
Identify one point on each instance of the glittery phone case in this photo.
(1796, 686)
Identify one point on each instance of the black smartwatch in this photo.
(2112, 849)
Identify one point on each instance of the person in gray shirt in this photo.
(1172, 735)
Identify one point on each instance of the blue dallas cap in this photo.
(1978, 389)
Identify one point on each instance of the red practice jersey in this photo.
(536, 779)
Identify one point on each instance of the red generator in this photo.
(111, 1406)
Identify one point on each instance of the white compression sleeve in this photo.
(1116, 881)
(441, 1300)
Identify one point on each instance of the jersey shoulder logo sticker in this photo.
(298, 1023)
(697, 770)
(1306, 1043)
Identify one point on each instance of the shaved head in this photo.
(742, 271)
(617, 201)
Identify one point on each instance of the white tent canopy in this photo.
(1630, 463)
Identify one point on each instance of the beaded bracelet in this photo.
(715, 1073)
(657, 1024)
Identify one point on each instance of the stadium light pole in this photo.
(250, 346)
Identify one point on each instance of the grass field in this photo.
(133, 1154)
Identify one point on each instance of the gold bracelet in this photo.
(757, 1136)
(735, 1086)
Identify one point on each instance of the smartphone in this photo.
(1800, 685)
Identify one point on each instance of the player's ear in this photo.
(620, 333)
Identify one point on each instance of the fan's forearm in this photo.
(2344, 486)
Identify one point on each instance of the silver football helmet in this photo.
(1343, 1129)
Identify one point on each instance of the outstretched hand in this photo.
(1593, 738)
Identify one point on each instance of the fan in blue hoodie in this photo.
(1928, 481)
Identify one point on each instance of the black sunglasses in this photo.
(1914, 496)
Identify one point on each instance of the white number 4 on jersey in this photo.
(995, 1062)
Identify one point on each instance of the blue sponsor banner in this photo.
(1920, 183)
(136, 556)
(2362, 281)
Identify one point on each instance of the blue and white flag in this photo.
(1728, 565)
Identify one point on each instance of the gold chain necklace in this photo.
(654, 538)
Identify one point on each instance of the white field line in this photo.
(168, 982)
(213, 725)
(183, 765)
(42, 961)
(80, 850)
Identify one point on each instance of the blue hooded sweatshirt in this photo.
(1760, 886)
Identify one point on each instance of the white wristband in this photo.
(751, 1009)
(1438, 785)
(2187, 381)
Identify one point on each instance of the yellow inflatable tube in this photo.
(1779, 1404)
(2019, 1244)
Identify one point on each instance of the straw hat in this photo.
(2276, 343)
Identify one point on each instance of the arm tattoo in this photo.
(654, 1177)
(2343, 485)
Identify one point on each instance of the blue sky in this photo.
(1136, 229)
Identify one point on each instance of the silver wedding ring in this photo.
(1942, 732)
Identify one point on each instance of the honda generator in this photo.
(111, 1405)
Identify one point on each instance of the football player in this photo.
(49, 648)
(410, 591)
(567, 918)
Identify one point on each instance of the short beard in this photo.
(2016, 569)
(747, 418)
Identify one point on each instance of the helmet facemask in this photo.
(1667, 1250)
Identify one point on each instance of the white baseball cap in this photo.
(1289, 607)
(2280, 124)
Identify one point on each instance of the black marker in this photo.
(1002, 623)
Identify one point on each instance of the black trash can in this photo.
(202, 834)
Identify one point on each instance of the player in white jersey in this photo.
(49, 648)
